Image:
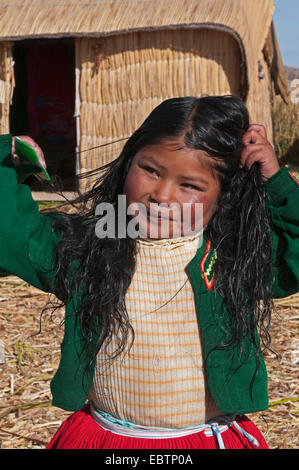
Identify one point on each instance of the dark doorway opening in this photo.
(44, 102)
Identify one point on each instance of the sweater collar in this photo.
(171, 242)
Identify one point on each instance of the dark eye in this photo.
(150, 170)
(191, 186)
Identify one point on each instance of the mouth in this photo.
(158, 216)
(159, 213)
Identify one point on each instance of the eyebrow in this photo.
(195, 179)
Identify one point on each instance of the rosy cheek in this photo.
(203, 207)
(134, 186)
(196, 212)
(193, 201)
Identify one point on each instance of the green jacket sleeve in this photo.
(27, 240)
(283, 194)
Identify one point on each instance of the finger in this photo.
(15, 159)
(252, 158)
(248, 150)
(259, 128)
(252, 136)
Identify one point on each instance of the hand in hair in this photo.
(258, 149)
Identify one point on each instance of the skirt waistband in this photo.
(214, 427)
(125, 428)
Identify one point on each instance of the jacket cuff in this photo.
(280, 185)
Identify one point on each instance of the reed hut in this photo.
(103, 65)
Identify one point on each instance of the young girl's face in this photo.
(169, 173)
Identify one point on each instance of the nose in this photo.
(163, 192)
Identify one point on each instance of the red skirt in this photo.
(80, 431)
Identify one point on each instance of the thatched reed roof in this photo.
(249, 21)
(21, 19)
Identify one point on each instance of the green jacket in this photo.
(27, 244)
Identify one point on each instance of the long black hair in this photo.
(239, 230)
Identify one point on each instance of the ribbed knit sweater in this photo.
(159, 381)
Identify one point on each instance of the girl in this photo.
(164, 336)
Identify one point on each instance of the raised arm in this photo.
(27, 241)
(283, 192)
